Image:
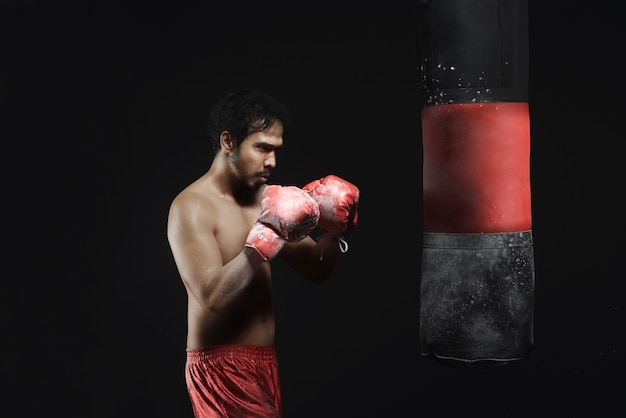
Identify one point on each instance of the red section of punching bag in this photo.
(476, 167)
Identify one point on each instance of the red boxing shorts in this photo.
(232, 381)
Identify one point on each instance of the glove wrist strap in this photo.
(341, 241)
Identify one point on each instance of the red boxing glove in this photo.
(338, 201)
(288, 214)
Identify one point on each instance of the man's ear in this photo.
(226, 142)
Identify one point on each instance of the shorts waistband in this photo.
(231, 350)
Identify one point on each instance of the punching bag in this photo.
(477, 275)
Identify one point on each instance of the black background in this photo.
(102, 113)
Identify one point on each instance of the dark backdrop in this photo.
(103, 110)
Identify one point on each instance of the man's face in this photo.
(255, 158)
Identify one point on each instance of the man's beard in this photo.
(247, 182)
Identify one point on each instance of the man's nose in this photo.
(270, 161)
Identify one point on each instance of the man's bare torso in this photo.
(251, 320)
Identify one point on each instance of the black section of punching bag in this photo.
(477, 298)
(472, 51)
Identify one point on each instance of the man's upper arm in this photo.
(191, 236)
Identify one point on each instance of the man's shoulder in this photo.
(191, 199)
(193, 203)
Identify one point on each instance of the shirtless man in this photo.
(223, 230)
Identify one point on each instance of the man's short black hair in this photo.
(243, 112)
